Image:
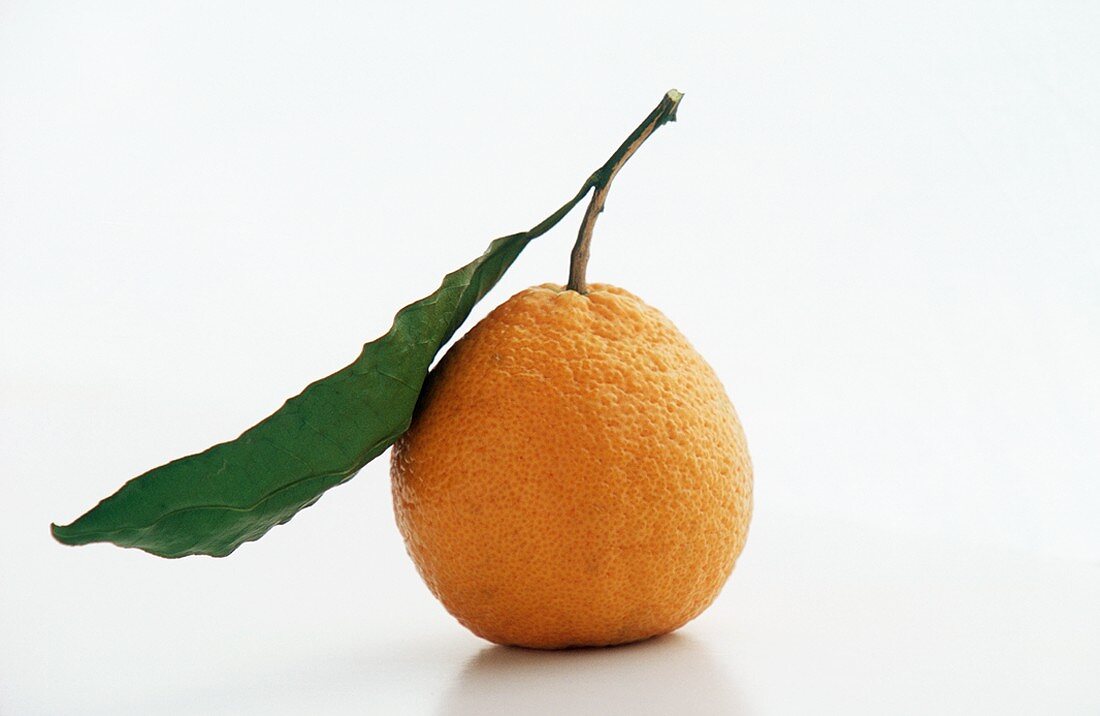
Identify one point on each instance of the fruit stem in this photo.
(601, 181)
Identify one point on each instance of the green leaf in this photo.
(214, 501)
(234, 492)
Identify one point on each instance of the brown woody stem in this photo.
(601, 181)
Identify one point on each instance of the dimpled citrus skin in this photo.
(574, 475)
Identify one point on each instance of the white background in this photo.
(879, 222)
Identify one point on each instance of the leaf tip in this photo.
(58, 533)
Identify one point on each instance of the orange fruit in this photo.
(575, 474)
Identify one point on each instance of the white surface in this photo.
(819, 617)
(877, 220)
